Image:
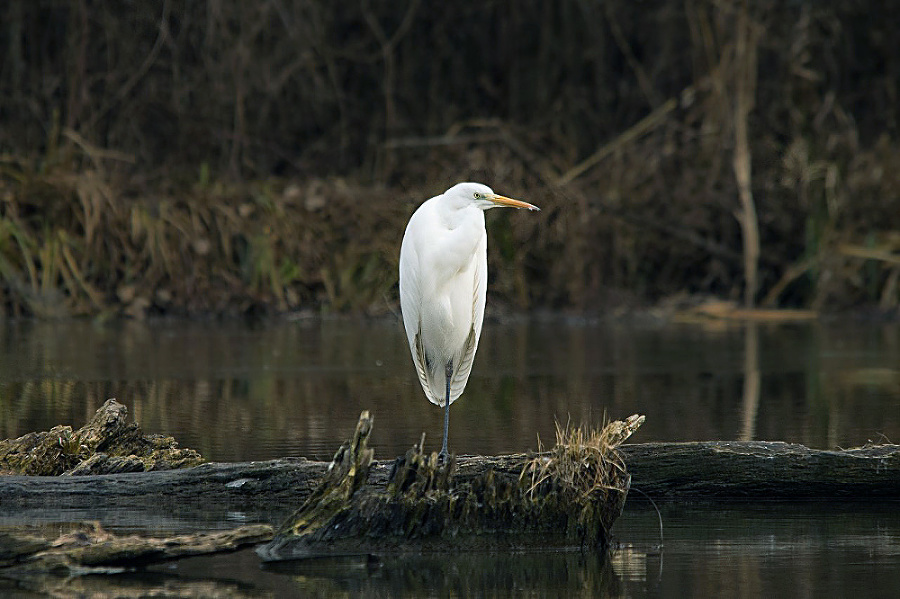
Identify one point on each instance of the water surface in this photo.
(239, 392)
(724, 550)
(236, 391)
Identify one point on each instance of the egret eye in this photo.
(477, 195)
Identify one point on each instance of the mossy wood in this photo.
(711, 470)
(569, 496)
(105, 445)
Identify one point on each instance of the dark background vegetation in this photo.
(188, 157)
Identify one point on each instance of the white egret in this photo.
(443, 285)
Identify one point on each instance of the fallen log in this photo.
(763, 470)
(695, 470)
(569, 496)
(92, 550)
(357, 505)
(713, 470)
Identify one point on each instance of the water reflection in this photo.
(763, 550)
(752, 377)
(470, 575)
(238, 392)
(556, 574)
(732, 550)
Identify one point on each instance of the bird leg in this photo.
(449, 372)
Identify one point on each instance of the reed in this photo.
(191, 157)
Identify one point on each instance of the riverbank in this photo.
(748, 153)
(78, 243)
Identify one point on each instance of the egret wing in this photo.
(479, 293)
(410, 295)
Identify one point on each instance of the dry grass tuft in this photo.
(586, 460)
(583, 469)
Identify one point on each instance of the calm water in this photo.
(289, 388)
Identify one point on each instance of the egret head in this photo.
(482, 196)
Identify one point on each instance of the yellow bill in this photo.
(509, 202)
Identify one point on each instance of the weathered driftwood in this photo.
(709, 469)
(763, 470)
(735, 470)
(702, 470)
(92, 550)
(569, 496)
(105, 445)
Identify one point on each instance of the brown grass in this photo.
(583, 470)
(190, 157)
(585, 460)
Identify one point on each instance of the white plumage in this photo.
(443, 285)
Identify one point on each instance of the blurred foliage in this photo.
(187, 157)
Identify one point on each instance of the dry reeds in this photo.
(74, 243)
(199, 157)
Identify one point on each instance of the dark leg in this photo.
(449, 374)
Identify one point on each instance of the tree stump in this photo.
(568, 497)
(105, 445)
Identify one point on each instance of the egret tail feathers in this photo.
(433, 377)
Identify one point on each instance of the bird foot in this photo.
(443, 456)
